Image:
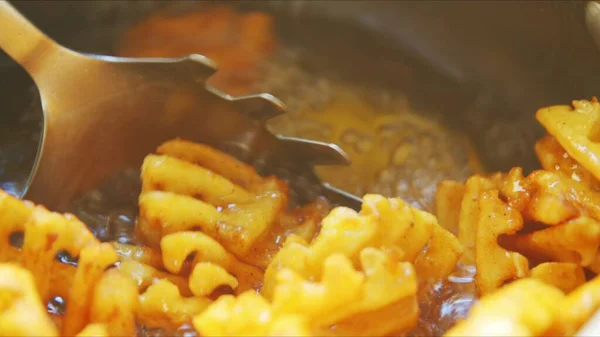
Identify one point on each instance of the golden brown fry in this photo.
(576, 129)
(142, 254)
(564, 276)
(237, 228)
(575, 241)
(216, 161)
(22, 312)
(162, 306)
(178, 246)
(248, 315)
(344, 292)
(577, 308)
(439, 260)
(206, 277)
(114, 303)
(469, 214)
(448, 198)
(169, 174)
(47, 234)
(553, 157)
(13, 215)
(526, 307)
(92, 263)
(144, 276)
(495, 265)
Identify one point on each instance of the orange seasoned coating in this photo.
(495, 265)
(162, 305)
(178, 246)
(207, 201)
(142, 254)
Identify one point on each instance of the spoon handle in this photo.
(22, 41)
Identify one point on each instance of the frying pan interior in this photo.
(483, 68)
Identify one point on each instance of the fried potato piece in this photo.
(577, 130)
(211, 159)
(46, 234)
(553, 157)
(206, 277)
(143, 254)
(448, 199)
(575, 241)
(248, 315)
(144, 276)
(163, 306)
(498, 315)
(494, 264)
(440, 257)
(564, 276)
(164, 173)
(388, 224)
(577, 308)
(556, 199)
(14, 213)
(22, 312)
(178, 246)
(114, 303)
(469, 214)
(383, 282)
(92, 263)
(179, 196)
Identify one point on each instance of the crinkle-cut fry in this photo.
(248, 315)
(303, 222)
(398, 317)
(344, 292)
(114, 303)
(144, 276)
(163, 306)
(557, 199)
(564, 276)
(526, 307)
(577, 308)
(495, 265)
(178, 246)
(237, 228)
(47, 234)
(440, 258)
(575, 241)
(164, 173)
(515, 189)
(213, 160)
(142, 254)
(469, 214)
(13, 216)
(448, 198)
(22, 312)
(577, 131)
(206, 277)
(553, 157)
(93, 261)
(94, 330)
(387, 224)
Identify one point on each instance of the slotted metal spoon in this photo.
(104, 113)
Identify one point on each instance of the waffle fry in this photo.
(21, 304)
(223, 253)
(564, 276)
